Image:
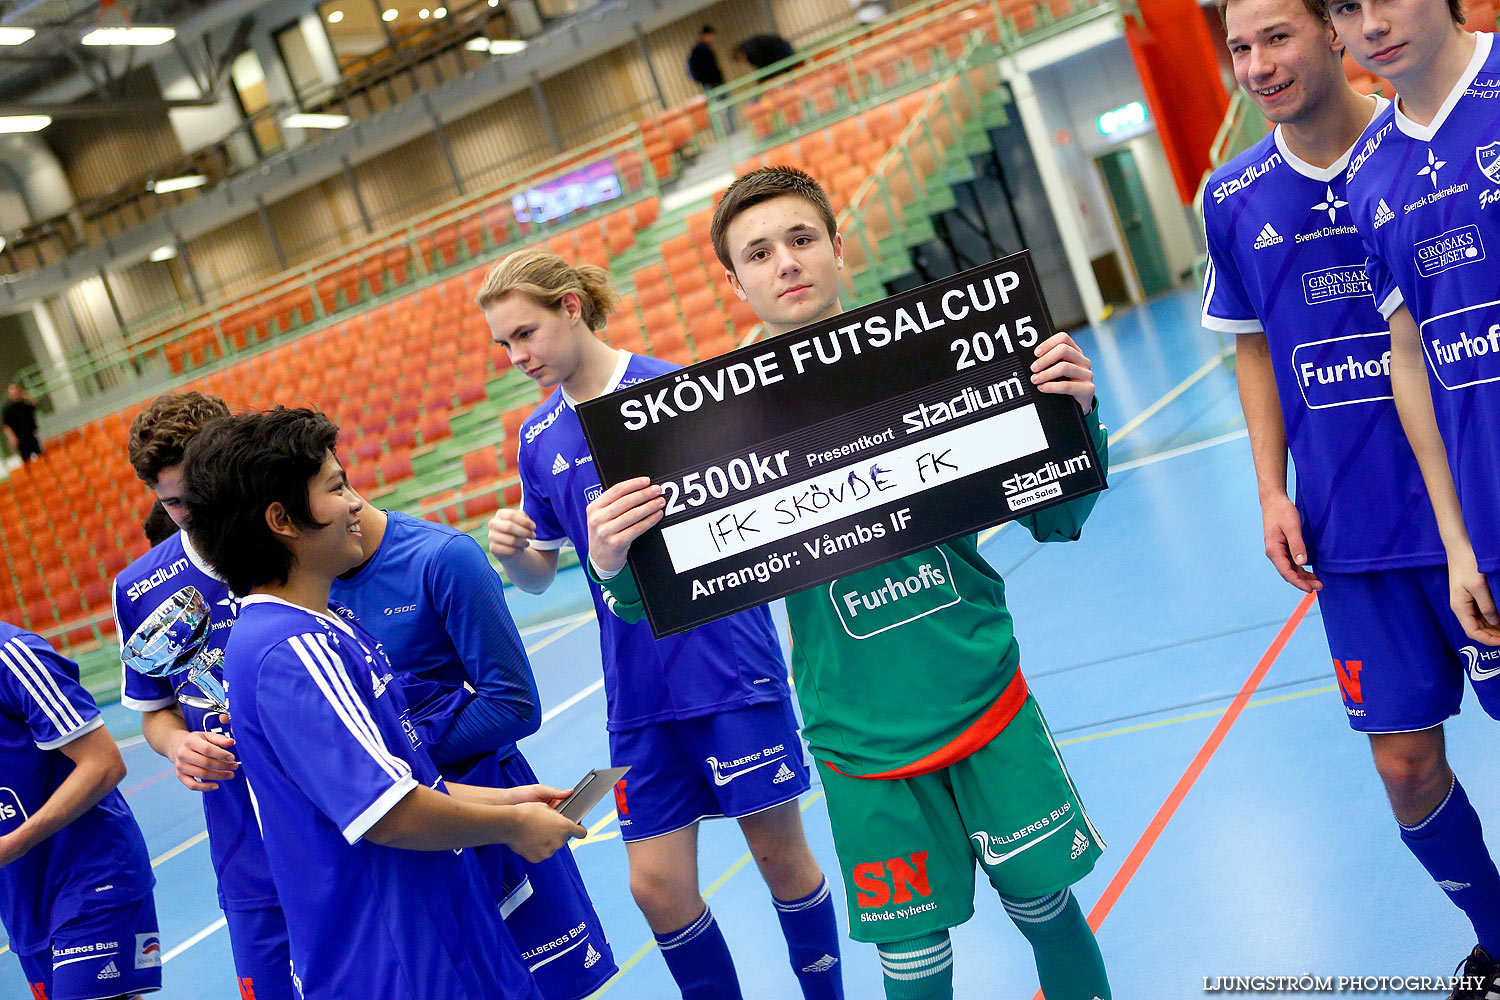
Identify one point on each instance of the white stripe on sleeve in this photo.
(23, 662)
(344, 685)
(351, 712)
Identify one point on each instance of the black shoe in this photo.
(1479, 977)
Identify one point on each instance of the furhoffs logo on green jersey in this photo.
(894, 593)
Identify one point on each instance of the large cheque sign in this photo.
(845, 444)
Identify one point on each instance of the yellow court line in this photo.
(594, 836)
(560, 633)
(1212, 713)
(1135, 422)
(745, 858)
(708, 893)
(161, 859)
(190, 842)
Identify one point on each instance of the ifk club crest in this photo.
(1489, 161)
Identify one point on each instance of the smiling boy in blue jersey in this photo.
(1314, 370)
(75, 879)
(703, 719)
(429, 593)
(197, 742)
(1423, 184)
(341, 783)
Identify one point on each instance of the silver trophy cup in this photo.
(175, 638)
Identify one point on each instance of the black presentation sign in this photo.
(843, 445)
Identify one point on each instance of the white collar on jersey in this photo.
(1322, 174)
(615, 379)
(273, 599)
(196, 558)
(1424, 133)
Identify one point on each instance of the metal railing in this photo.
(461, 232)
(874, 64)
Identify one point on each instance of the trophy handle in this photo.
(214, 697)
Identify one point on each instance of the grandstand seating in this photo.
(386, 340)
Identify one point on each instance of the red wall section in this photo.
(1174, 54)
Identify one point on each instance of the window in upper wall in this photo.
(255, 102)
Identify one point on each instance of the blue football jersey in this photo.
(1285, 259)
(1426, 199)
(234, 844)
(431, 597)
(727, 664)
(328, 752)
(98, 860)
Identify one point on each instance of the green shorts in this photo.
(907, 847)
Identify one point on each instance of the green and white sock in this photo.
(918, 969)
(1068, 962)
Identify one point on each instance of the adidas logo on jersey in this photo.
(1383, 214)
(1268, 237)
(591, 957)
(560, 465)
(110, 971)
(1448, 886)
(821, 965)
(1080, 844)
(784, 774)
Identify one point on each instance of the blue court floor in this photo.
(1281, 858)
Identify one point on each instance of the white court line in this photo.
(217, 925)
(563, 706)
(1187, 449)
(130, 741)
(556, 622)
(560, 633)
(1135, 422)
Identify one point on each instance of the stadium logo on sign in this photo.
(1488, 158)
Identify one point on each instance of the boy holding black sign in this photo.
(967, 771)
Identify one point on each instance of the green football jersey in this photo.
(911, 662)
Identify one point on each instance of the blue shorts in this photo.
(262, 957)
(1398, 651)
(546, 907)
(102, 954)
(735, 763)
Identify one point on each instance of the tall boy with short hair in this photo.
(342, 787)
(1313, 361)
(704, 719)
(918, 788)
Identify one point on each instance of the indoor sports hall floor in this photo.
(1240, 842)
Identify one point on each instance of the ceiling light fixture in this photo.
(16, 36)
(507, 46)
(129, 36)
(162, 253)
(303, 119)
(24, 123)
(169, 184)
(440, 12)
(390, 15)
(335, 16)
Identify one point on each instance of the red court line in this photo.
(1190, 776)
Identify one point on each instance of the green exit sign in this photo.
(1132, 116)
